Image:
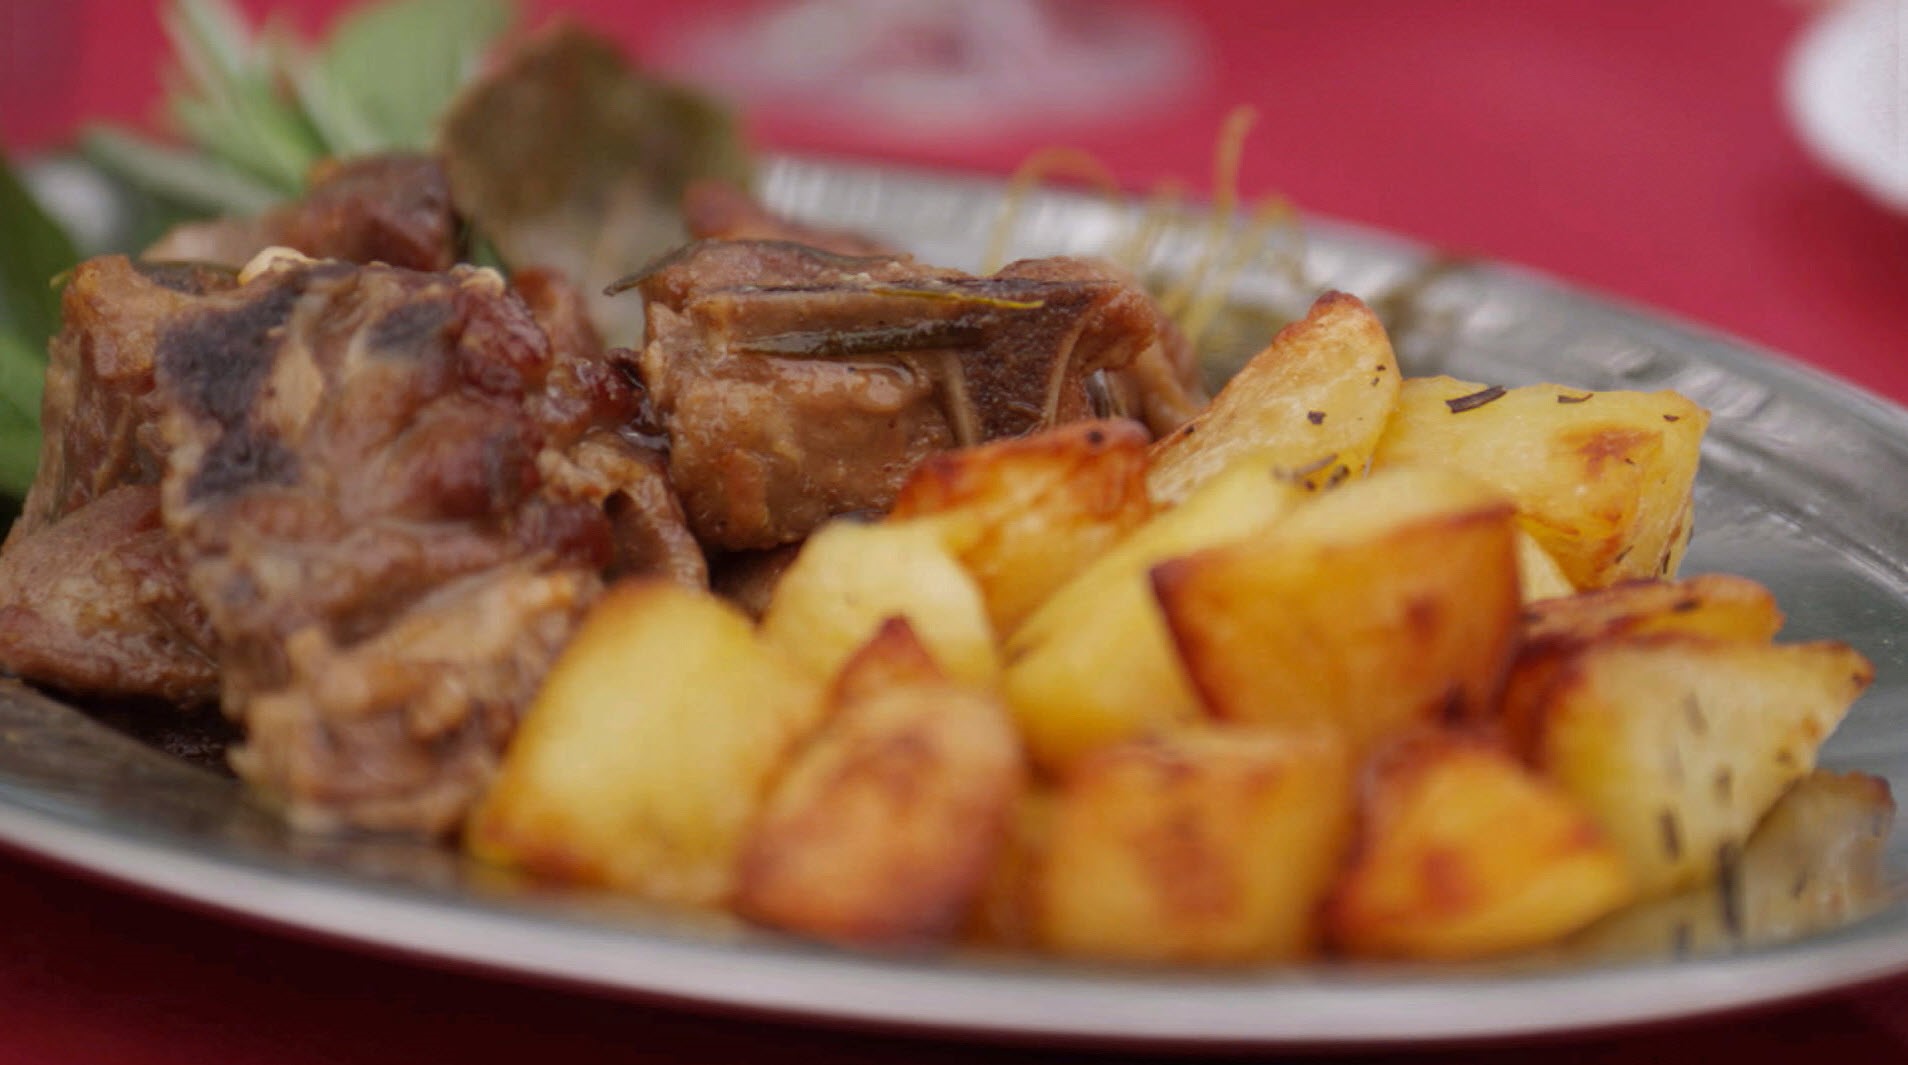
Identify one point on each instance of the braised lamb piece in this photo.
(794, 384)
(377, 522)
(393, 209)
(594, 403)
(96, 430)
(1162, 386)
(112, 623)
(97, 603)
(91, 590)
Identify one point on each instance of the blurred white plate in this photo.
(1847, 92)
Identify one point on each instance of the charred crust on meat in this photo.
(240, 459)
(216, 361)
(406, 329)
(191, 279)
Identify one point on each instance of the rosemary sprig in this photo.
(257, 107)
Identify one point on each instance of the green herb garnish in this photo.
(258, 108)
(36, 252)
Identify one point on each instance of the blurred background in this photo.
(1637, 147)
(1646, 149)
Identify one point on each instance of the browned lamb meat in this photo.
(595, 403)
(97, 603)
(393, 209)
(375, 519)
(96, 417)
(91, 591)
(795, 384)
(1162, 386)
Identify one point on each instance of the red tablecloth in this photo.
(1634, 147)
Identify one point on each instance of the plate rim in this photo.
(809, 984)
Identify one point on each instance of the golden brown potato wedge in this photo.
(1390, 602)
(1198, 846)
(648, 749)
(852, 577)
(1095, 664)
(1601, 479)
(1716, 604)
(1463, 852)
(886, 823)
(1815, 863)
(1317, 398)
(1678, 743)
(1025, 514)
(1719, 605)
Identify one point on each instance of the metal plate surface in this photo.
(1800, 489)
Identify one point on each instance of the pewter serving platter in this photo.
(1799, 489)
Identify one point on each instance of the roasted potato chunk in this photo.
(1025, 514)
(1815, 863)
(1463, 852)
(1388, 603)
(1538, 575)
(1003, 914)
(1316, 398)
(852, 577)
(1601, 479)
(1678, 743)
(1199, 846)
(648, 749)
(886, 823)
(1095, 664)
(1717, 604)
(1555, 630)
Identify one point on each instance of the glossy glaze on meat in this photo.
(593, 409)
